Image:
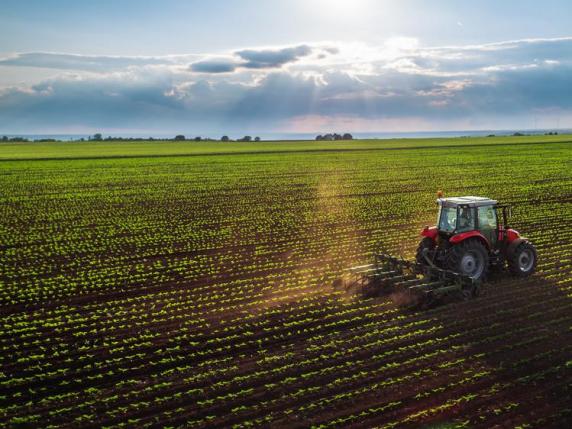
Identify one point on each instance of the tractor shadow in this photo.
(518, 332)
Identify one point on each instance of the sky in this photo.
(283, 66)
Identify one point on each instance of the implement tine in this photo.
(394, 263)
(361, 268)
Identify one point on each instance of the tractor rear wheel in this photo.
(522, 260)
(469, 258)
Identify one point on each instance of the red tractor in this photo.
(455, 256)
(470, 238)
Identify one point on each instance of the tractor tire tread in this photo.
(457, 251)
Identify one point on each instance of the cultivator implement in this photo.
(409, 283)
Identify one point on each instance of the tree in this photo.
(256, 139)
(224, 139)
(179, 137)
(97, 137)
(245, 139)
(319, 137)
(198, 139)
(348, 136)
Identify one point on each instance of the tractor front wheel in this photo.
(469, 258)
(522, 260)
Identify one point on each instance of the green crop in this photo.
(169, 284)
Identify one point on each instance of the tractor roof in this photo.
(468, 201)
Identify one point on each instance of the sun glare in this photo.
(341, 9)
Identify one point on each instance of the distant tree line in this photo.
(23, 139)
(519, 134)
(15, 139)
(99, 138)
(177, 138)
(550, 133)
(181, 137)
(334, 136)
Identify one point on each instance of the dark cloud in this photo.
(88, 103)
(258, 59)
(513, 91)
(213, 66)
(272, 58)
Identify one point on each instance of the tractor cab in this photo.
(466, 214)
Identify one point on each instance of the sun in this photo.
(341, 9)
(344, 6)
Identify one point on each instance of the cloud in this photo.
(271, 58)
(332, 50)
(214, 66)
(261, 59)
(84, 62)
(450, 87)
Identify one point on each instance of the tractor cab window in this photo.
(466, 219)
(488, 223)
(457, 219)
(447, 219)
(487, 218)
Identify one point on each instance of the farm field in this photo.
(147, 284)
